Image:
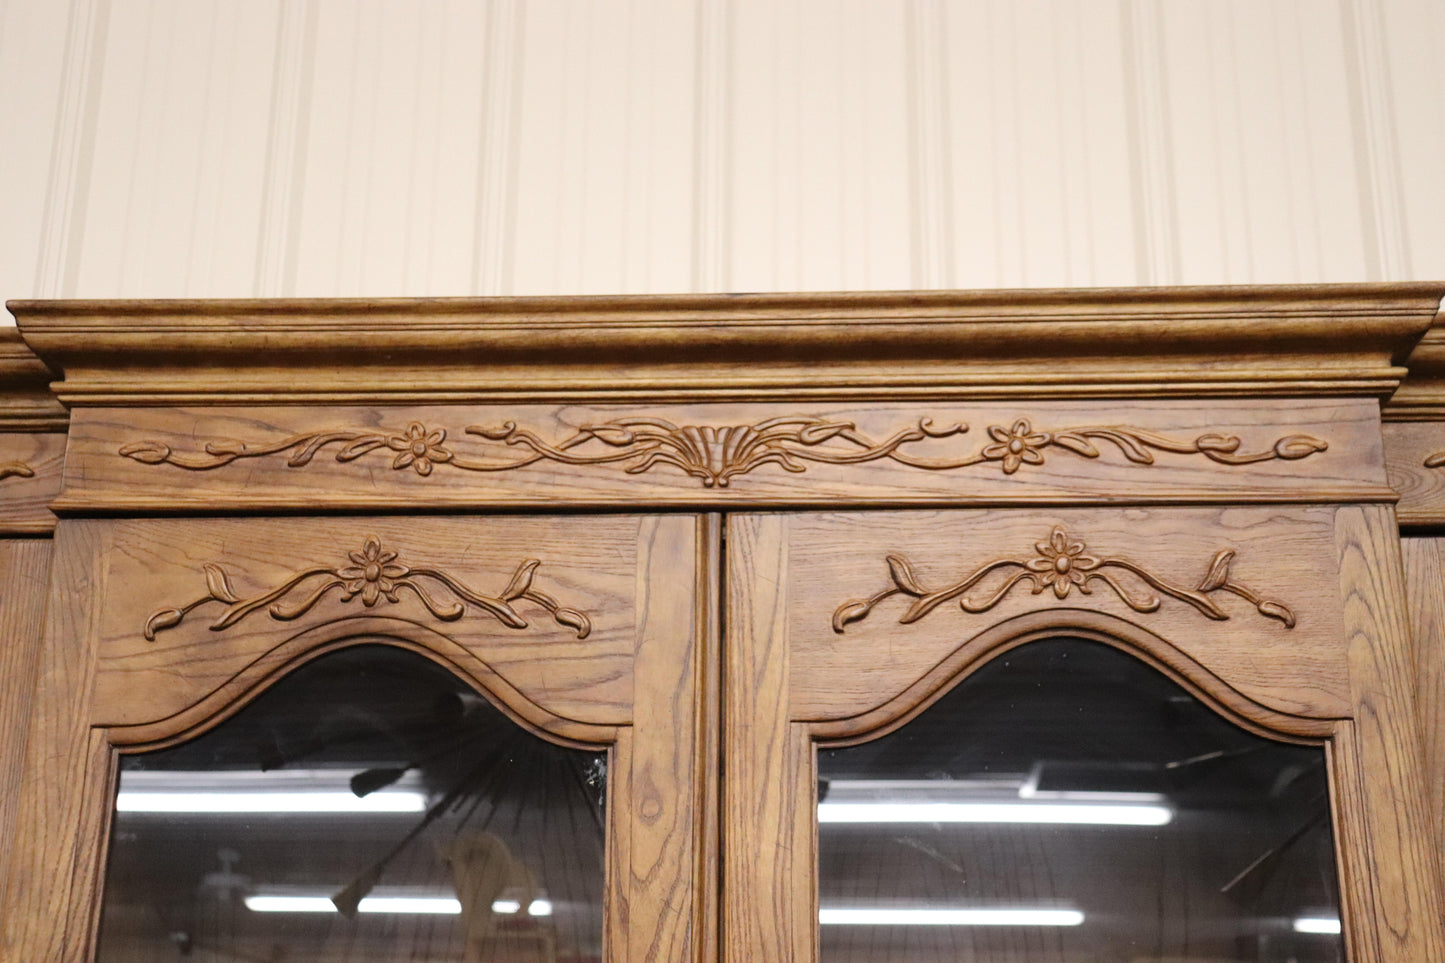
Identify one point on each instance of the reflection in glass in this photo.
(369, 806)
(1068, 803)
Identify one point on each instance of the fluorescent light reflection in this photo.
(1317, 924)
(437, 905)
(917, 916)
(252, 791)
(269, 802)
(1082, 814)
(433, 905)
(1004, 800)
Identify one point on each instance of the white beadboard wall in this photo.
(218, 148)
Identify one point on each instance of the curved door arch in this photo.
(1067, 802)
(851, 625)
(583, 632)
(369, 802)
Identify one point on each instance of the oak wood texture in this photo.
(1404, 918)
(670, 798)
(1421, 396)
(1342, 676)
(1248, 662)
(1408, 446)
(544, 675)
(26, 401)
(49, 909)
(763, 794)
(24, 572)
(1424, 561)
(1107, 414)
(642, 682)
(1143, 342)
(355, 458)
(31, 464)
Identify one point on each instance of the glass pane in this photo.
(369, 806)
(1068, 803)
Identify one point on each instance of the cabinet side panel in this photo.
(62, 805)
(1407, 912)
(24, 570)
(759, 797)
(1425, 580)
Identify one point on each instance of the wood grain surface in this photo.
(65, 792)
(1397, 857)
(31, 465)
(760, 787)
(1280, 553)
(1120, 343)
(24, 574)
(1424, 561)
(669, 770)
(550, 675)
(722, 455)
(1408, 446)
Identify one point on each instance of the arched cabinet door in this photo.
(345, 737)
(942, 727)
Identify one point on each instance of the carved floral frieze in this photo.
(715, 454)
(1062, 564)
(374, 576)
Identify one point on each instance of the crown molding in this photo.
(26, 401)
(1322, 340)
(1422, 395)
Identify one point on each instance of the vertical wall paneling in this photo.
(67, 183)
(1414, 36)
(34, 38)
(378, 147)
(175, 183)
(496, 162)
(930, 200)
(1331, 205)
(283, 181)
(712, 125)
(1367, 69)
(604, 186)
(1151, 162)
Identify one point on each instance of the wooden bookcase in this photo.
(705, 492)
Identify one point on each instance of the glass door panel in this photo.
(369, 806)
(1068, 803)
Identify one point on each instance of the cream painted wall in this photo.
(164, 148)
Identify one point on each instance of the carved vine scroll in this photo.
(1061, 565)
(375, 576)
(714, 454)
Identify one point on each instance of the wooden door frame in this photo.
(1025, 402)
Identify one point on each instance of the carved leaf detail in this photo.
(903, 576)
(1277, 611)
(1218, 572)
(218, 583)
(163, 619)
(849, 612)
(1062, 564)
(147, 452)
(1298, 446)
(716, 454)
(374, 576)
(522, 580)
(574, 620)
